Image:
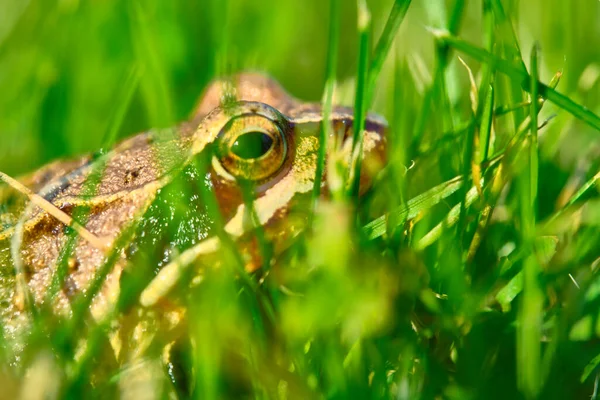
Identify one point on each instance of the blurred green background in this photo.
(63, 63)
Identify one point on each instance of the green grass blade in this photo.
(384, 44)
(507, 47)
(521, 75)
(533, 148)
(467, 160)
(413, 207)
(485, 128)
(154, 83)
(530, 315)
(332, 62)
(451, 218)
(360, 100)
(486, 90)
(583, 190)
(438, 89)
(124, 98)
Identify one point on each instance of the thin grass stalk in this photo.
(486, 92)
(398, 143)
(360, 100)
(209, 198)
(530, 315)
(325, 128)
(485, 127)
(441, 63)
(508, 47)
(384, 44)
(469, 143)
(521, 75)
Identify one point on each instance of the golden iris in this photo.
(252, 147)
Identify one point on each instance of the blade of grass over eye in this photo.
(265, 250)
(325, 129)
(209, 198)
(360, 100)
(530, 313)
(384, 44)
(521, 75)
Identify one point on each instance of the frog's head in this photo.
(264, 137)
(258, 142)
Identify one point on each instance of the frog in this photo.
(250, 147)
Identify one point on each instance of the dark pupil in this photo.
(252, 145)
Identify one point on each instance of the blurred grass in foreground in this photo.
(480, 283)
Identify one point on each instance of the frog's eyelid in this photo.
(220, 170)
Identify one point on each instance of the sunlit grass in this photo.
(468, 271)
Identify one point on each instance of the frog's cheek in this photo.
(280, 233)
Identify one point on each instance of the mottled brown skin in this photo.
(137, 168)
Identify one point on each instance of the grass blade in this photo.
(413, 207)
(451, 218)
(519, 74)
(332, 61)
(384, 44)
(360, 100)
(530, 315)
(485, 128)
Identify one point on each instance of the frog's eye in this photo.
(252, 147)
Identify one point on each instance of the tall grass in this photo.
(471, 272)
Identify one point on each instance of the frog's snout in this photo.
(374, 154)
(374, 150)
(373, 141)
